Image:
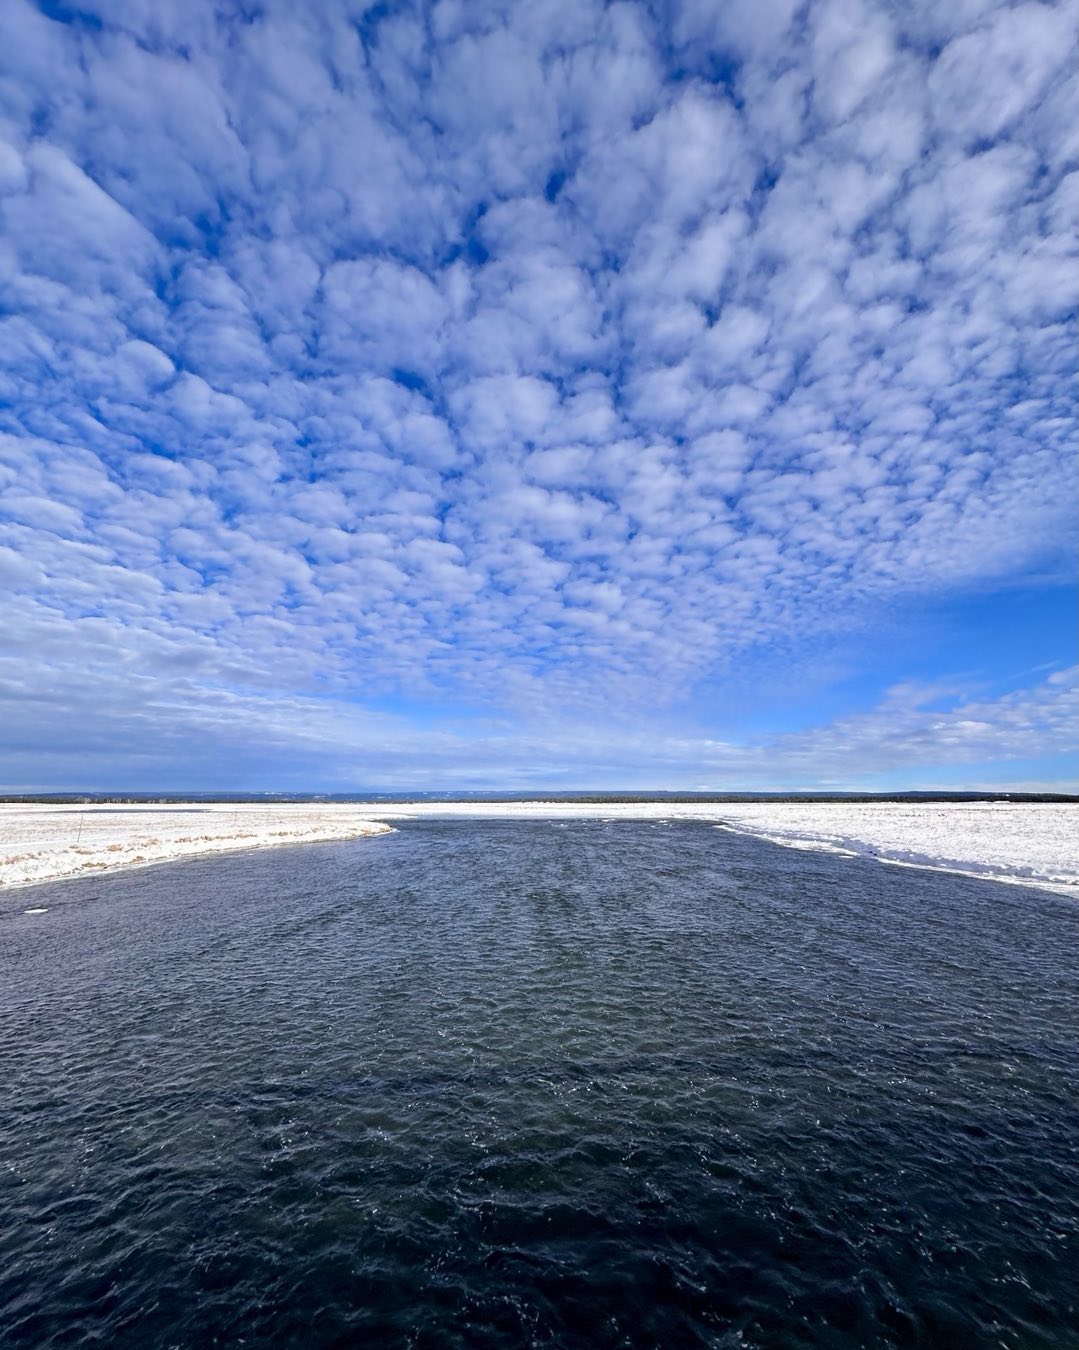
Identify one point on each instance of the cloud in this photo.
(550, 359)
(909, 731)
(171, 716)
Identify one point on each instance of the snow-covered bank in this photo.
(51, 843)
(1033, 844)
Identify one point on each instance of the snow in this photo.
(50, 843)
(1032, 843)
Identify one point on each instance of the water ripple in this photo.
(496, 1084)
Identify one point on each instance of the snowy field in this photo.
(49, 843)
(1031, 844)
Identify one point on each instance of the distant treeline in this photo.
(480, 799)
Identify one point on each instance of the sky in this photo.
(547, 394)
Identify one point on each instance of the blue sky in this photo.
(548, 394)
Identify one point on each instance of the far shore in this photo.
(1029, 843)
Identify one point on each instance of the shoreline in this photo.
(42, 845)
(1019, 844)
(1067, 886)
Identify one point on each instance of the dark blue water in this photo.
(497, 1084)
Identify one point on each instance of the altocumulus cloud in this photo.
(451, 393)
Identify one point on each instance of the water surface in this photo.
(485, 1083)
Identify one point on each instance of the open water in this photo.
(484, 1083)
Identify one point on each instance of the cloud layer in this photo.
(551, 360)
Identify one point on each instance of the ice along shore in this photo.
(40, 843)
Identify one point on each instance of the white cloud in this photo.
(539, 357)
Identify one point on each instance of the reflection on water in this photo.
(482, 1083)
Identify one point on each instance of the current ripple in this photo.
(496, 1084)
